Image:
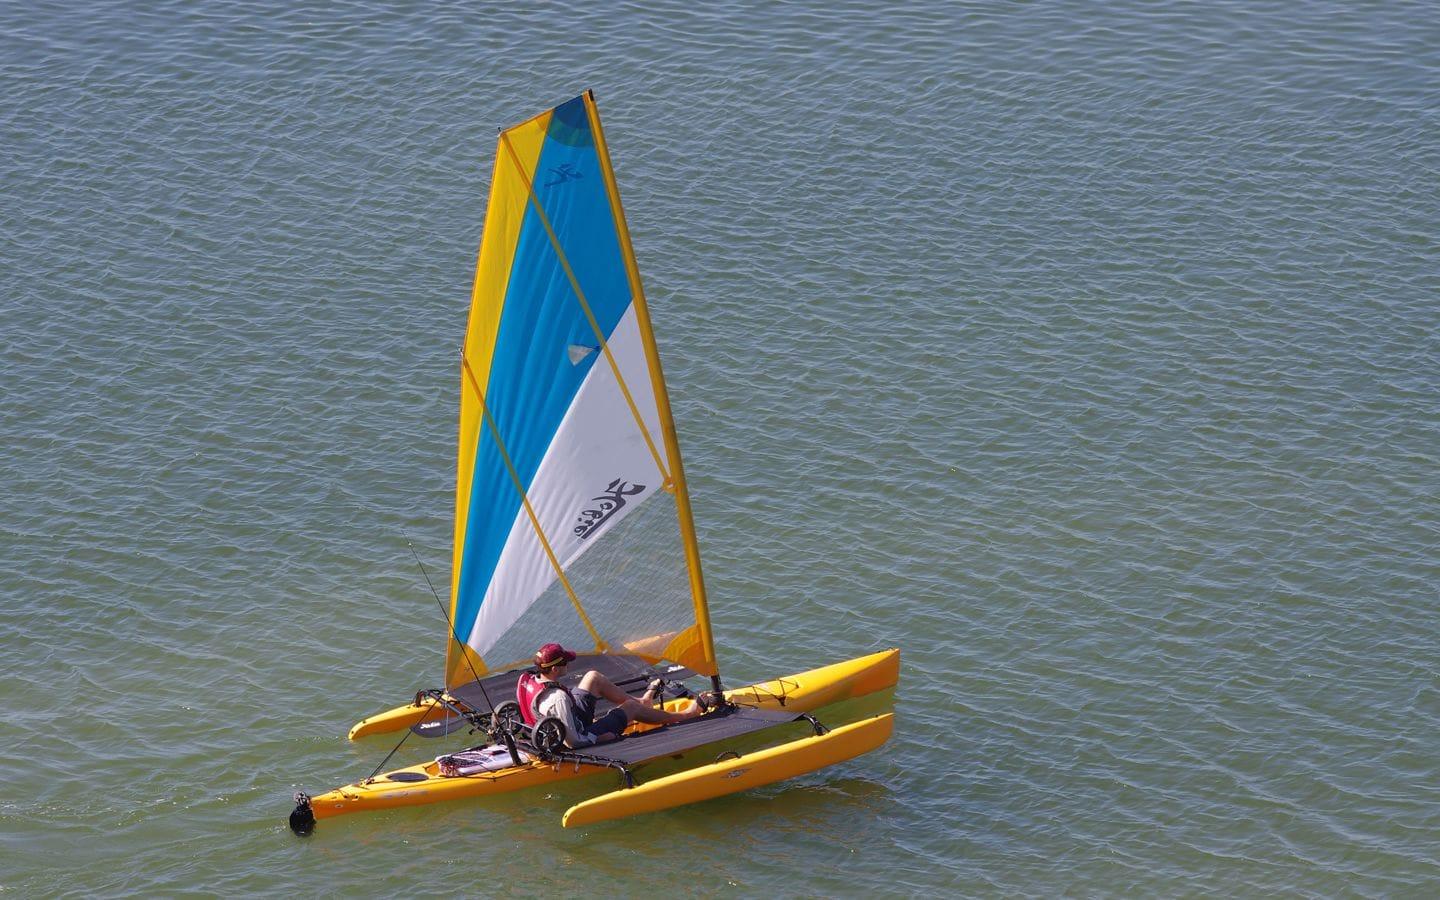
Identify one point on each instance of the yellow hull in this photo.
(423, 784)
(395, 719)
(734, 775)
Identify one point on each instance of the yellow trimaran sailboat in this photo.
(573, 523)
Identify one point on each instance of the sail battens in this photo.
(585, 306)
(567, 492)
(559, 570)
(529, 385)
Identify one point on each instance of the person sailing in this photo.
(546, 696)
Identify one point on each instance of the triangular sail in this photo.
(566, 445)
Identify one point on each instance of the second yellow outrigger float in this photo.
(573, 525)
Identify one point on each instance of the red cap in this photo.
(550, 654)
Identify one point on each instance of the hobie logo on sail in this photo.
(563, 173)
(609, 503)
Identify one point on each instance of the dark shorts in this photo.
(613, 722)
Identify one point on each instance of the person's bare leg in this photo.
(601, 686)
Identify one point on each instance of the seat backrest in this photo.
(527, 690)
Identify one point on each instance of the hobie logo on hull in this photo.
(607, 504)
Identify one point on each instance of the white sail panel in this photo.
(598, 469)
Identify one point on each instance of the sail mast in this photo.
(662, 396)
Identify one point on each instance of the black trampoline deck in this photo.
(631, 674)
(722, 724)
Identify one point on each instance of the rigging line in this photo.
(434, 704)
(589, 314)
(529, 510)
(464, 648)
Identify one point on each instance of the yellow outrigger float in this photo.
(573, 524)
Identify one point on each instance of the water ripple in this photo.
(1089, 355)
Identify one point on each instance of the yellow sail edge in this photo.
(504, 215)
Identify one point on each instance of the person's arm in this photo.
(555, 704)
